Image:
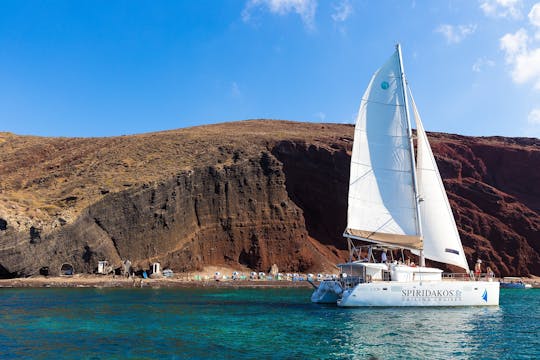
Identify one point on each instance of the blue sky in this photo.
(105, 68)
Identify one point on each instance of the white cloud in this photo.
(342, 11)
(534, 116)
(304, 8)
(456, 34)
(514, 44)
(525, 61)
(502, 8)
(534, 15)
(527, 68)
(482, 63)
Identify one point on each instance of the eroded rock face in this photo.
(318, 182)
(493, 188)
(238, 214)
(227, 215)
(253, 199)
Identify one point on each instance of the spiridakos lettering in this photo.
(429, 293)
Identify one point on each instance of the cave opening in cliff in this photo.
(67, 270)
(3, 224)
(44, 271)
(5, 274)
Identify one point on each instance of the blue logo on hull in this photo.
(484, 296)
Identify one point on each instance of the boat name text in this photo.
(430, 293)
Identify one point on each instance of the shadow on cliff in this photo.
(317, 180)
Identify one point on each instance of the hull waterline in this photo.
(415, 293)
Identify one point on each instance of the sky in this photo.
(107, 68)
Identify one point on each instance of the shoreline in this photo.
(179, 281)
(122, 282)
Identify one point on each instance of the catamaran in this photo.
(397, 201)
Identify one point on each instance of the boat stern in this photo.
(327, 292)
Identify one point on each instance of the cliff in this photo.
(244, 194)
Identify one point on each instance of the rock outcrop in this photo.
(492, 184)
(247, 194)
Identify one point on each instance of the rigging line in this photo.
(426, 169)
(362, 176)
(381, 103)
(382, 136)
(378, 203)
(373, 232)
(390, 76)
(381, 168)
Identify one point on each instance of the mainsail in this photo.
(439, 230)
(382, 201)
(383, 206)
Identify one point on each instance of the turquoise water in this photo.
(255, 324)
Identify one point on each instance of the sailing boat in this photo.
(398, 201)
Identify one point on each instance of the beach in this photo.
(109, 281)
(188, 280)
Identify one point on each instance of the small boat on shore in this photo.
(511, 282)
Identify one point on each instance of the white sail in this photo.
(439, 230)
(382, 204)
(394, 202)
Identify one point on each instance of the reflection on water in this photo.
(412, 332)
(254, 323)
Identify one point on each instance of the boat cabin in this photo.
(360, 272)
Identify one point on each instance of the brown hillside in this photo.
(248, 193)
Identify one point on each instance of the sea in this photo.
(246, 323)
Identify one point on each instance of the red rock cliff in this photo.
(249, 194)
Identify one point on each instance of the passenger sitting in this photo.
(364, 257)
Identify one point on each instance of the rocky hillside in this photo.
(245, 194)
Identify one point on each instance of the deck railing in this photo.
(465, 276)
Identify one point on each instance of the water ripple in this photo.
(255, 324)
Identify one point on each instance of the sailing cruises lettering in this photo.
(431, 294)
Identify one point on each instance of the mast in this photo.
(409, 130)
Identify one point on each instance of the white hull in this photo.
(416, 293)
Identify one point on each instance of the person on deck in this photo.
(384, 259)
(478, 269)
